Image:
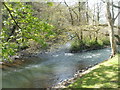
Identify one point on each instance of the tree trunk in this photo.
(111, 30)
(96, 38)
(81, 36)
(94, 16)
(87, 12)
(70, 12)
(112, 40)
(98, 12)
(79, 9)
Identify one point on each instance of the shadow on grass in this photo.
(103, 77)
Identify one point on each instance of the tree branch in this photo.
(116, 6)
(75, 13)
(69, 12)
(111, 4)
(11, 16)
(112, 10)
(58, 5)
(116, 16)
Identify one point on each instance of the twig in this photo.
(112, 4)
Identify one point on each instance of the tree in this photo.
(99, 6)
(20, 27)
(87, 17)
(111, 20)
(70, 11)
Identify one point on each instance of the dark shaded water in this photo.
(51, 68)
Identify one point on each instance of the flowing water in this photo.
(51, 68)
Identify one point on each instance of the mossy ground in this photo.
(104, 76)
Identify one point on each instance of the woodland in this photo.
(31, 29)
(39, 25)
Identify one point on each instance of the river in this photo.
(50, 68)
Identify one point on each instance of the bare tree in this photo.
(70, 11)
(87, 15)
(98, 11)
(111, 20)
(79, 9)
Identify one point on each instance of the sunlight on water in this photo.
(96, 55)
(69, 54)
(55, 55)
(56, 67)
(88, 57)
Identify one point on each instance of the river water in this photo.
(51, 67)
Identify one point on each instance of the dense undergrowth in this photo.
(88, 44)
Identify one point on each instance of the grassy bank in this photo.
(88, 44)
(104, 76)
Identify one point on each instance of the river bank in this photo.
(22, 56)
(89, 77)
(52, 68)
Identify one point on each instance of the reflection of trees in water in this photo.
(16, 79)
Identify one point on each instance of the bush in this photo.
(88, 44)
(106, 42)
(77, 46)
(95, 45)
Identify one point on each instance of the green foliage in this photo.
(94, 44)
(50, 3)
(88, 44)
(16, 38)
(77, 46)
(106, 41)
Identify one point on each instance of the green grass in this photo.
(104, 76)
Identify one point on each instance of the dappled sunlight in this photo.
(55, 42)
(103, 76)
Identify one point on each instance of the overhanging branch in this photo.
(11, 15)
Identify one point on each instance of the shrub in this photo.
(88, 44)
